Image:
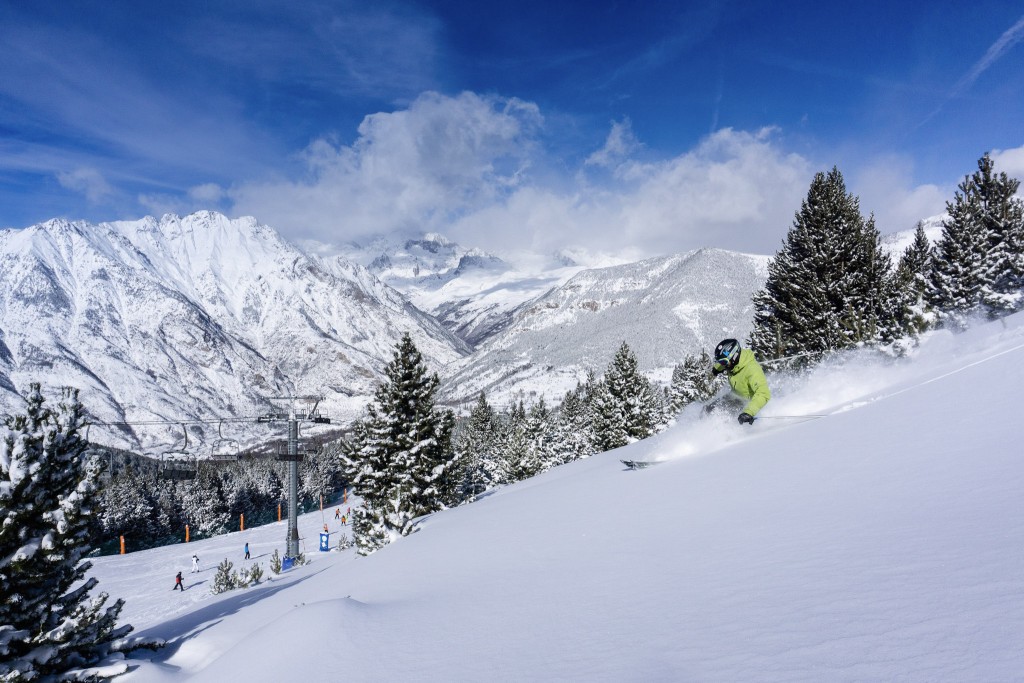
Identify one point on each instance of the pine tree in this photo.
(223, 580)
(979, 261)
(400, 461)
(625, 406)
(573, 429)
(824, 286)
(319, 472)
(911, 313)
(691, 382)
(526, 441)
(50, 625)
(203, 506)
(125, 509)
(957, 276)
(512, 462)
(475, 446)
(537, 432)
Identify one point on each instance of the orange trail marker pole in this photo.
(241, 522)
(122, 545)
(186, 533)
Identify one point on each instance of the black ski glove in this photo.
(746, 419)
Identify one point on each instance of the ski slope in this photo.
(884, 541)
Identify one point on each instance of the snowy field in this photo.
(884, 541)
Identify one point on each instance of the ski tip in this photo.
(636, 464)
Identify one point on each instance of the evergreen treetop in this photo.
(824, 287)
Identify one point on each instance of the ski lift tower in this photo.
(293, 457)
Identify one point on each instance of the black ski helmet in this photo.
(727, 353)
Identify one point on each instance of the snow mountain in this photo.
(663, 308)
(473, 293)
(192, 317)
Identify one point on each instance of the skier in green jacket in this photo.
(745, 377)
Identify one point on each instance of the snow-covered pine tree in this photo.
(911, 312)
(548, 420)
(823, 287)
(125, 509)
(625, 406)
(401, 463)
(475, 445)
(1002, 218)
(50, 624)
(202, 504)
(691, 381)
(957, 276)
(573, 429)
(513, 463)
(538, 432)
(223, 580)
(319, 471)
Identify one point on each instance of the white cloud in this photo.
(474, 168)
(88, 181)
(208, 193)
(736, 190)
(470, 166)
(885, 189)
(621, 142)
(1010, 162)
(208, 196)
(415, 169)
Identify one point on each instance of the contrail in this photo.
(1010, 37)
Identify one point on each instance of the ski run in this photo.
(882, 542)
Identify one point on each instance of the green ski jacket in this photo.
(747, 379)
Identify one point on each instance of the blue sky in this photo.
(640, 127)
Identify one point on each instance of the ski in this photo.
(637, 464)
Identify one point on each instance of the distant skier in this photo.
(746, 378)
(247, 551)
(337, 513)
(343, 520)
(195, 564)
(178, 583)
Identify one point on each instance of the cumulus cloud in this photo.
(885, 189)
(469, 166)
(88, 181)
(735, 190)
(475, 168)
(621, 143)
(1010, 162)
(411, 170)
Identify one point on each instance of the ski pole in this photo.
(788, 417)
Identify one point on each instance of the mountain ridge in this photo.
(179, 318)
(201, 315)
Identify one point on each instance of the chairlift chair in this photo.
(224, 450)
(284, 456)
(178, 465)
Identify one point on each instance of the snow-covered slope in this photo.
(884, 541)
(471, 292)
(896, 243)
(194, 317)
(664, 308)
